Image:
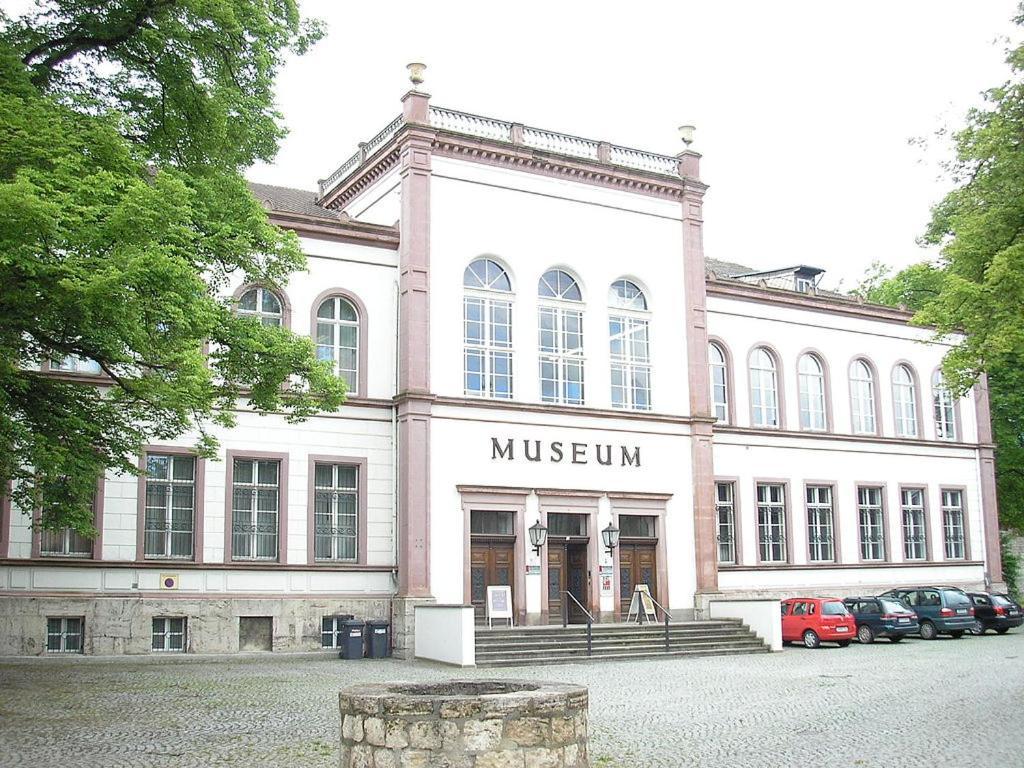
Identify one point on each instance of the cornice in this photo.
(342, 230)
(380, 163)
(846, 438)
(829, 304)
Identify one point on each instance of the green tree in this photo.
(124, 130)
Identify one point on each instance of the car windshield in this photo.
(1000, 600)
(955, 597)
(834, 608)
(893, 606)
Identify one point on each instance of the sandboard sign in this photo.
(641, 606)
(499, 604)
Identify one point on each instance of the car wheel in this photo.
(928, 631)
(956, 634)
(978, 628)
(844, 643)
(895, 638)
(865, 635)
(811, 639)
(1002, 630)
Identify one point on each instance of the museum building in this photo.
(532, 336)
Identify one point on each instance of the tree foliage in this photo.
(976, 289)
(124, 130)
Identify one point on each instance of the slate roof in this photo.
(290, 200)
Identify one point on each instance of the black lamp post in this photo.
(610, 537)
(538, 536)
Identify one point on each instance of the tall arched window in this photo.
(630, 348)
(487, 330)
(337, 338)
(862, 398)
(943, 406)
(811, 387)
(904, 401)
(262, 304)
(560, 338)
(764, 389)
(719, 371)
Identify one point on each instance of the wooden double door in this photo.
(568, 571)
(491, 565)
(638, 564)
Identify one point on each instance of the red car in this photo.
(811, 620)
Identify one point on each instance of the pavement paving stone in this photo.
(919, 703)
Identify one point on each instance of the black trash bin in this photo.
(378, 645)
(351, 639)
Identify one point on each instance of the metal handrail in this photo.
(590, 620)
(667, 616)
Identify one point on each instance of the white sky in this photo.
(803, 109)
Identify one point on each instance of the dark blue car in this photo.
(940, 610)
(882, 617)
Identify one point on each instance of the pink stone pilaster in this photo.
(414, 497)
(696, 352)
(987, 473)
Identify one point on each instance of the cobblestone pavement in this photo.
(947, 702)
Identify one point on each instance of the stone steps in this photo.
(534, 645)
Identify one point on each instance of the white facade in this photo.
(451, 477)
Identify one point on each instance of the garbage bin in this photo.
(351, 639)
(379, 638)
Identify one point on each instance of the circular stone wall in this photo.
(464, 724)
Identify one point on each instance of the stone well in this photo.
(464, 724)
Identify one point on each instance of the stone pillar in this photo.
(413, 400)
(987, 476)
(705, 549)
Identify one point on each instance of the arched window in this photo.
(862, 398)
(630, 349)
(487, 330)
(719, 371)
(337, 338)
(944, 407)
(811, 388)
(560, 338)
(764, 389)
(262, 304)
(904, 401)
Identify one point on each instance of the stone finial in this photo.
(416, 73)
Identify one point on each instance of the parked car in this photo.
(940, 610)
(995, 611)
(811, 620)
(882, 617)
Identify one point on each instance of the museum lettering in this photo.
(573, 453)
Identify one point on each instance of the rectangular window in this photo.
(915, 542)
(945, 414)
(560, 344)
(169, 633)
(491, 522)
(336, 511)
(64, 634)
(771, 522)
(725, 510)
(820, 523)
(637, 526)
(953, 524)
(331, 631)
(65, 542)
(170, 506)
(74, 364)
(630, 361)
(255, 504)
(872, 525)
(487, 339)
(560, 524)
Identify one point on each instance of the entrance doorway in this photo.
(638, 564)
(568, 571)
(491, 556)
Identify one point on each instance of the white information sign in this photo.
(499, 604)
(641, 606)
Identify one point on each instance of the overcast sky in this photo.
(803, 109)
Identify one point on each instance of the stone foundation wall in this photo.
(522, 725)
(124, 625)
